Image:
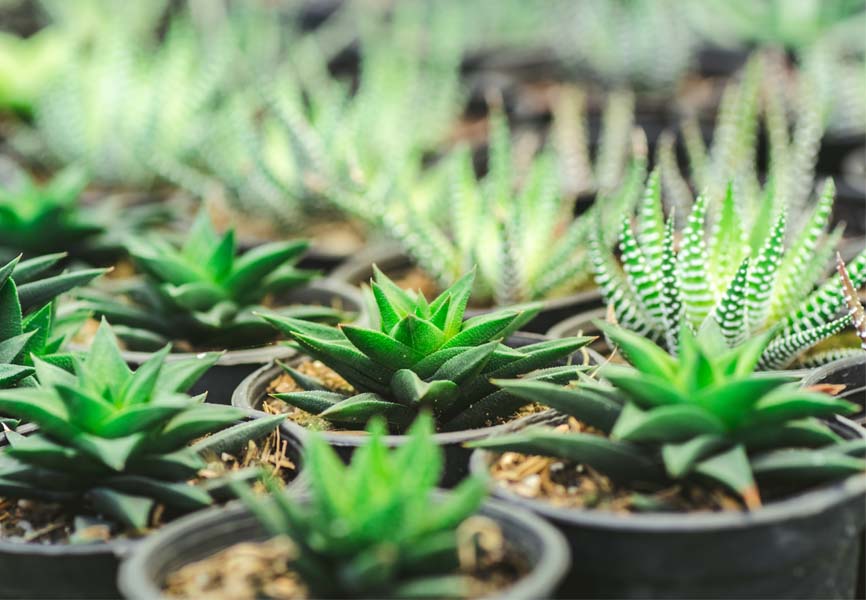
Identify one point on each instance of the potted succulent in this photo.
(203, 297)
(697, 475)
(526, 242)
(743, 279)
(114, 455)
(399, 538)
(421, 355)
(40, 218)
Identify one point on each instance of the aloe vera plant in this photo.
(523, 238)
(422, 356)
(704, 415)
(202, 293)
(116, 442)
(396, 539)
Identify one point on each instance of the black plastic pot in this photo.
(390, 259)
(803, 547)
(199, 536)
(849, 371)
(78, 570)
(253, 390)
(221, 379)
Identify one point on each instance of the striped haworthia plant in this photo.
(515, 223)
(714, 274)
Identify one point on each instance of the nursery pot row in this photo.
(32, 570)
(204, 534)
(234, 365)
(250, 394)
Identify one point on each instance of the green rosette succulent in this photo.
(422, 356)
(204, 294)
(704, 415)
(114, 441)
(373, 529)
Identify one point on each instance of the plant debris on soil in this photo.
(284, 383)
(251, 570)
(269, 453)
(568, 484)
(41, 522)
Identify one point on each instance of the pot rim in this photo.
(243, 392)
(810, 502)
(819, 373)
(259, 354)
(553, 559)
(241, 398)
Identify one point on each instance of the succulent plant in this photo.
(758, 98)
(703, 415)
(113, 441)
(202, 293)
(836, 77)
(130, 109)
(373, 529)
(779, 23)
(27, 66)
(644, 43)
(422, 356)
(580, 174)
(38, 218)
(524, 239)
(733, 273)
(305, 143)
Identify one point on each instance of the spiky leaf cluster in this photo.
(29, 323)
(131, 108)
(27, 67)
(640, 44)
(203, 293)
(422, 356)
(38, 218)
(522, 235)
(579, 171)
(778, 23)
(715, 275)
(373, 529)
(306, 142)
(755, 99)
(705, 415)
(113, 440)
